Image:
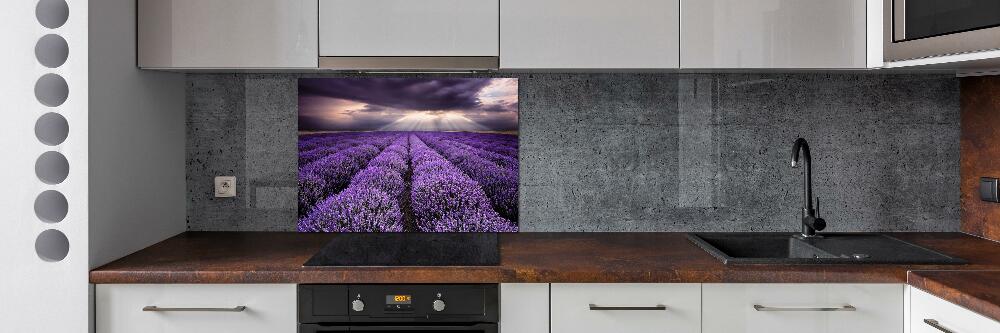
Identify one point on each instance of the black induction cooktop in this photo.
(409, 249)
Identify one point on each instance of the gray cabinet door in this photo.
(589, 34)
(228, 33)
(773, 34)
(409, 28)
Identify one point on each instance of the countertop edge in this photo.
(941, 283)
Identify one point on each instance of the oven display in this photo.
(398, 299)
(398, 303)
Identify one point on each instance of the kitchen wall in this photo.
(639, 152)
(980, 151)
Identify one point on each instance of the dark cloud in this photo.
(372, 108)
(500, 106)
(401, 93)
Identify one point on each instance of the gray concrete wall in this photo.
(640, 152)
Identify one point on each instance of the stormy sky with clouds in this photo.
(408, 104)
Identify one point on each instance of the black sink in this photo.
(835, 248)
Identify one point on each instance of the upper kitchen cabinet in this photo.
(589, 34)
(407, 34)
(780, 34)
(193, 34)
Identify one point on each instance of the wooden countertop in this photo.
(974, 290)
(269, 257)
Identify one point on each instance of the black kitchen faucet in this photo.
(810, 221)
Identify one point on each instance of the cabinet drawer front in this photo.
(268, 308)
(947, 315)
(624, 307)
(406, 28)
(819, 308)
(589, 34)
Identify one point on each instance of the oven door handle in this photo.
(309, 328)
(485, 328)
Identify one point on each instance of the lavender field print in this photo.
(408, 155)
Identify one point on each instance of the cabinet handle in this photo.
(935, 324)
(759, 307)
(657, 307)
(154, 308)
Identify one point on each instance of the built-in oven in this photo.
(928, 28)
(386, 308)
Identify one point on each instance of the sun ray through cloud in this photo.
(429, 121)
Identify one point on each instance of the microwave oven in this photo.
(915, 29)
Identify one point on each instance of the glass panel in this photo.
(928, 18)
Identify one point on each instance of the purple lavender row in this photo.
(507, 163)
(471, 144)
(309, 142)
(499, 184)
(308, 156)
(504, 156)
(499, 180)
(494, 140)
(330, 174)
(504, 141)
(493, 143)
(445, 199)
(371, 202)
(356, 138)
(343, 141)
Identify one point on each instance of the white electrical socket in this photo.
(225, 187)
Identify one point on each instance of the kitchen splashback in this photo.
(638, 152)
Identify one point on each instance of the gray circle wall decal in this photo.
(52, 13)
(52, 167)
(51, 51)
(51, 90)
(52, 245)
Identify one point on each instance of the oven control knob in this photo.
(438, 305)
(358, 305)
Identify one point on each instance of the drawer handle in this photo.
(595, 307)
(759, 307)
(935, 324)
(154, 308)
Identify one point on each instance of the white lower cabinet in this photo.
(930, 314)
(524, 308)
(190, 308)
(625, 308)
(802, 308)
(569, 307)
